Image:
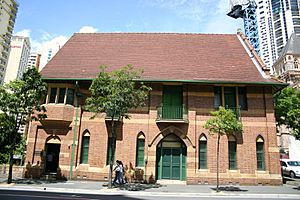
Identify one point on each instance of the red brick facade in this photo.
(258, 121)
(199, 63)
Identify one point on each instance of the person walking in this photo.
(117, 170)
(121, 174)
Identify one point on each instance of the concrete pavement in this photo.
(94, 187)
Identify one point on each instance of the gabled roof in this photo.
(292, 46)
(163, 56)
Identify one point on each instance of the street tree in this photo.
(19, 99)
(114, 93)
(223, 122)
(287, 109)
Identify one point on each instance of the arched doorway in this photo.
(171, 158)
(52, 149)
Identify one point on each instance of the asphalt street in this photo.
(35, 195)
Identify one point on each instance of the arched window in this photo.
(202, 152)
(232, 152)
(85, 143)
(140, 150)
(260, 153)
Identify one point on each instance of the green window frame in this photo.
(232, 155)
(230, 97)
(140, 152)
(260, 154)
(84, 158)
(109, 150)
(202, 153)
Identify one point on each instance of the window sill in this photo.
(203, 170)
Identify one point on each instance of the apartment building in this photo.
(18, 58)
(278, 20)
(34, 60)
(8, 12)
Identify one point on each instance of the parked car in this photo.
(290, 168)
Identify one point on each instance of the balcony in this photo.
(172, 114)
(58, 115)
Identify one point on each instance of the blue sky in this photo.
(46, 20)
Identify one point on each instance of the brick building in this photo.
(190, 75)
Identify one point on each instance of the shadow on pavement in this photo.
(135, 186)
(34, 181)
(297, 188)
(230, 189)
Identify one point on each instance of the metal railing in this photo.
(172, 112)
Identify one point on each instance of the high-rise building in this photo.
(8, 12)
(34, 60)
(265, 31)
(18, 58)
(277, 20)
(286, 20)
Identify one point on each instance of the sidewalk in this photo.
(93, 187)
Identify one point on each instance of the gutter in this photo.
(177, 81)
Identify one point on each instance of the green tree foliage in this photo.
(114, 93)
(287, 109)
(18, 101)
(223, 122)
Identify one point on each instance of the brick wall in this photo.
(258, 120)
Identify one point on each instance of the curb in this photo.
(141, 193)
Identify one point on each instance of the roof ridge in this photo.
(154, 33)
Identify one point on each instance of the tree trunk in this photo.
(112, 158)
(11, 149)
(11, 154)
(218, 155)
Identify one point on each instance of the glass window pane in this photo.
(203, 155)
(61, 96)
(140, 152)
(217, 97)
(229, 97)
(260, 155)
(243, 98)
(85, 149)
(52, 95)
(70, 96)
(232, 154)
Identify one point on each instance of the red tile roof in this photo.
(163, 56)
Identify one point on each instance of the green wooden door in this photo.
(176, 163)
(172, 102)
(171, 160)
(166, 163)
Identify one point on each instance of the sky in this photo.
(57, 20)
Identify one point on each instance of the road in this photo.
(34, 195)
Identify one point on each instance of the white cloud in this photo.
(209, 15)
(24, 33)
(56, 41)
(88, 29)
